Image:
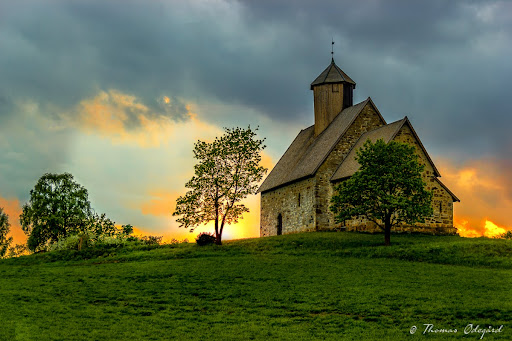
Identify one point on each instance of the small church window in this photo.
(299, 200)
(335, 88)
(440, 207)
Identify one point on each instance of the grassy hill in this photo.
(310, 286)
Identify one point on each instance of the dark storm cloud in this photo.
(64, 52)
(30, 145)
(442, 63)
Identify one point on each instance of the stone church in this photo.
(296, 194)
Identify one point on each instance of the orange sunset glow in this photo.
(485, 204)
(12, 208)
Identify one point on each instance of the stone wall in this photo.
(367, 120)
(296, 216)
(441, 220)
(442, 201)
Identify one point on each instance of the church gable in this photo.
(350, 165)
(408, 135)
(430, 174)
(399, 131)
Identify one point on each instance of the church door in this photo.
(279, 224)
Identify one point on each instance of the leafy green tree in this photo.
(58, 206)
(5, 228)
(127, 229)
(101, 225)
(227, 171)
(387, 189)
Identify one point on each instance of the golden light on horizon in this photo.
(485, 203)
(493, 230)
(464, 230)
(490, 229)
(167, 100)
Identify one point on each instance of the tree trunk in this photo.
(218, 239)
(387, 231)
(218, 236)
(217, 233)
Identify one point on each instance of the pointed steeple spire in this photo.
(333, 92)
(332, 74)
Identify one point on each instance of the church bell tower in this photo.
(333, 92)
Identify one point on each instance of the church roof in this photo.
(387, 133)
(332, 74)
(307, 153)
(447, 190)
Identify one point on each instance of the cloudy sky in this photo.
(117, 92)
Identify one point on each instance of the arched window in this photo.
(299, 199)
(279, 224)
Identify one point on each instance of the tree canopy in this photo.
(5, 241)
(57, 207)
(387, 189)
(227, 171)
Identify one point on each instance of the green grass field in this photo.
(310, 286)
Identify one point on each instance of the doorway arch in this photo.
(279, 224)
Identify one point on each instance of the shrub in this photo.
(152, 240)
(506, 235)
(205, 238)
(127, 229)
(175, 241)
(117, 240)
(17, 250)
(78, 242)
(68, 243)
(84, 240)
(87, 239)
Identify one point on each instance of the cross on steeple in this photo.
(332, 50)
